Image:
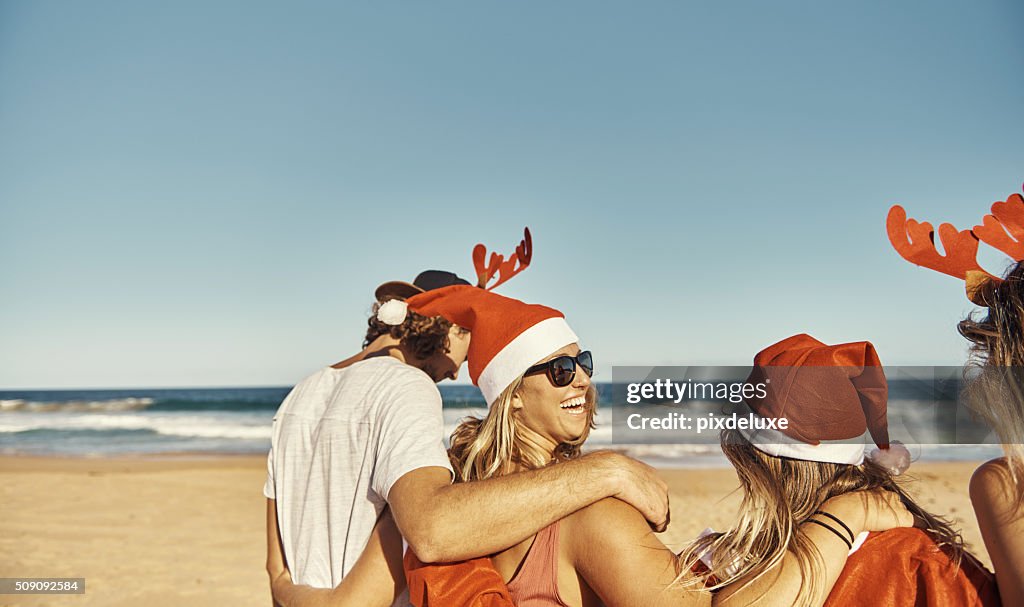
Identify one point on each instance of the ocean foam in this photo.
(73, 406)
(169, 425)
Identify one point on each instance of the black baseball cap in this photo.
(426, 281)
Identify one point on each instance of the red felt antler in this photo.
(498, 265)
(1004, 228)
(915, 242)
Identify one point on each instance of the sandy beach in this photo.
(189, 530)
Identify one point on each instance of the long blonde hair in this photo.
(779, 494)
(496, 444)
(995, 370)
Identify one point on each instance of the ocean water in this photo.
(238, 421)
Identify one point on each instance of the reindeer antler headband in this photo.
(394, 311)
(1003, 229)
(499, 266)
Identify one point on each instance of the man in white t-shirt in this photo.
(367, 432)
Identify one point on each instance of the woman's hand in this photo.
(374, 581)
(281, 586)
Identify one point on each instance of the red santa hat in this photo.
(829, 395)
(509, 336)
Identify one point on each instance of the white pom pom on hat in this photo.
(895, 459)
(393, 312)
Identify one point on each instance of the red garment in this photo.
(904, 567)
(473, 583)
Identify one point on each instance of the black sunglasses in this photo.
(561, 370)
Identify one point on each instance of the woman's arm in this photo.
(275, 553)
(615, 552)
(374, 581)
(784, 583)
(613, 549)
(1001, 518)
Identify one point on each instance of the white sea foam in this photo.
(215, 431)
(11, 404)
(10, 427)
(200, 426)
(113, 404)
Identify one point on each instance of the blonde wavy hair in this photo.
(498, 443)
(779, 494)
(995, 371)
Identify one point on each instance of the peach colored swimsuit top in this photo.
(536, 583)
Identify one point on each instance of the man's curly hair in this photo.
(424, 336)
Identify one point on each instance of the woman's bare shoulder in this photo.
(992, 481)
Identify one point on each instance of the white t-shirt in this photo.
(341, 439)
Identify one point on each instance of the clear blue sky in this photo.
(206, 193)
